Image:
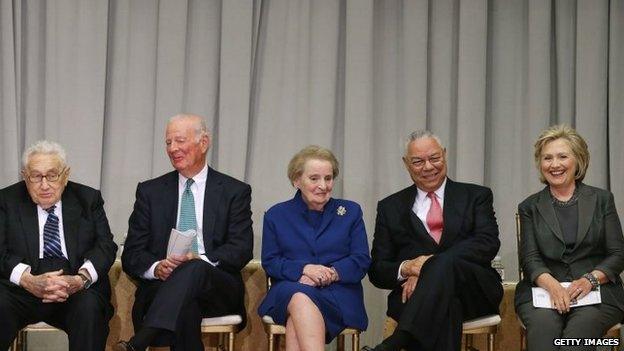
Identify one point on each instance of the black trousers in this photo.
(84, 316)
(448, 292)
(194, 290)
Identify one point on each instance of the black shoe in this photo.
(123, 346)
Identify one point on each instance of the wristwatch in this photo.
(86, 281)
(592, 279)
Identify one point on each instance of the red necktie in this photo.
(434, 218)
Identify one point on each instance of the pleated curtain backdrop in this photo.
(271, 76)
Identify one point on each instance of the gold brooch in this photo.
(341, 211)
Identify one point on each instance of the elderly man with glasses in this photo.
(56, 248)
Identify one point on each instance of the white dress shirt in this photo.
(42, 217)
(421, 206)
(198, 188)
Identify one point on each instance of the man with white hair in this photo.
(175, 292)
(56, 249)
(432, 247)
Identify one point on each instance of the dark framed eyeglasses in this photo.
(50, 178)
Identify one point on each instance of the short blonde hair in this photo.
(311, 152)
(575, 141)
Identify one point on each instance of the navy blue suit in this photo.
(195, 289)
(290, 241)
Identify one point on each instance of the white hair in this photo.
(44, 147)
(200, 124)
(422, 134)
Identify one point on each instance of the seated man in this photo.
(432, 247)
(56, 248)
(175, 292)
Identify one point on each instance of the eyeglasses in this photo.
(50, 178)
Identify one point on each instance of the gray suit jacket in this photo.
(599, 243)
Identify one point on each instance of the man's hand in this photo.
(74, 283)
(408, 288)
(412, 267)
(165, 267)
(49, 287)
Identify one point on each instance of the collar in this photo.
(198, 178)
(303, 207)
(421, 195)
(58, 209)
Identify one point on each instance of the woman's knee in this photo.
(301, 302)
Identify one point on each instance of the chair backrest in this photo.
(518, 244)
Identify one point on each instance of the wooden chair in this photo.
(487, 325)
(613, 332)
(274, 330)
(484, 325)
(225, 327)
(21, 341)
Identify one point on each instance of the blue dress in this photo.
(294, 236)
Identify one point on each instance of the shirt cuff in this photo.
(91, 269)
(206, 259)
(16, 273)
(399, 276)
(149, 274)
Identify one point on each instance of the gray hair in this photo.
(422, 134)
(200, 124)
(45, 147)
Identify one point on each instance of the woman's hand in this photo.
(579, 288)
(319, 274)
(307, 281)
(559, 296)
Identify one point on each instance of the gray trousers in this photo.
(544, 325)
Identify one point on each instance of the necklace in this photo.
(570, 202)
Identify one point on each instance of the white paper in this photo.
(180, 242)
(541, 298)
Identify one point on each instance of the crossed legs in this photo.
(305, 327)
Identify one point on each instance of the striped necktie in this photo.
(187, 213)
(51, 236)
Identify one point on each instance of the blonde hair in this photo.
(311, 152)
(575, 141)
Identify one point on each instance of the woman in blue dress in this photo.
(315, 250)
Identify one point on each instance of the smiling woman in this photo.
(570, 233)
(314, 248)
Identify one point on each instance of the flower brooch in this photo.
(341, 211)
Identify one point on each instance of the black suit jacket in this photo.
(227, 231)
(470, 233)
(87, 233)
(599, 243)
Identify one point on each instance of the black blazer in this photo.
(599, 243)
(86, 230)
(227, 231)
(470, 232)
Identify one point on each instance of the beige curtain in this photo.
(271, 76)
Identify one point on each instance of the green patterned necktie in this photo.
(187, 213)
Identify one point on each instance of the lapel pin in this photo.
(341, 211)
